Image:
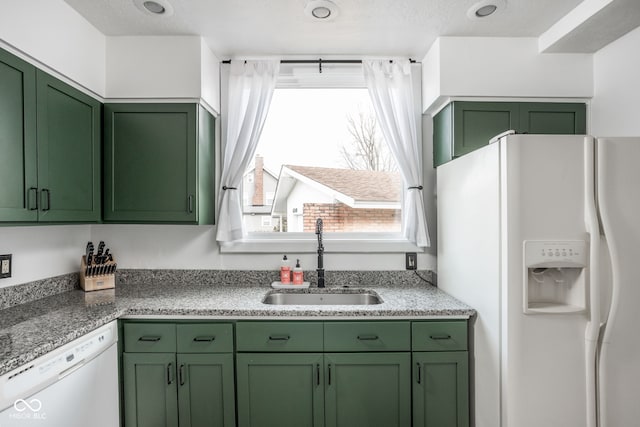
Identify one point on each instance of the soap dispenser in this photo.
(285, 271)
(298, 275)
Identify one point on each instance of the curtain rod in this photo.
(319, 61)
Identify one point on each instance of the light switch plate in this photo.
(5, 266)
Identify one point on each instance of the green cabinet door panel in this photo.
(440, 389)
(553, 118)
(476, 123)
(69, 132)
(206, 390)
(367, 336)
(150, 390)
(18, 172)
(368, 389)
(158, 163)
(150, 162)
(280, 389)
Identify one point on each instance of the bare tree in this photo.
(366, 150)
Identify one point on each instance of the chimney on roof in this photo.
(258, 182)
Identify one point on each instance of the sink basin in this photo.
(324, 298)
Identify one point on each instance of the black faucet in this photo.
(320, 268)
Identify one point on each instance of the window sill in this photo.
(332, 242)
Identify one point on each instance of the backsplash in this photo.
(257, 277)
(31, 291)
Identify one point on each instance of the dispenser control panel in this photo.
(555, 253)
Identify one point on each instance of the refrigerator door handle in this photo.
(593, 325)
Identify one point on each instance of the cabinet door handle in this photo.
(35, 198)
(48, 199)
(169, 374)
(181, 375)
(278, 337)
(366, 337)
(317, 373)
(419, 373)
(150, 338)
(329, 374)
(209, 338)
(190, 203)
(440, 337)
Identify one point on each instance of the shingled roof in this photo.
(361, 185)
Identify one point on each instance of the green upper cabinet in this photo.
(50, 142)
(553, 118)
(18, 168)
(69, 131)
(461, 126)
(159, 161)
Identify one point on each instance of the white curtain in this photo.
(251, 86)
(391, 91)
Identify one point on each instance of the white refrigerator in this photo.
(541, 235)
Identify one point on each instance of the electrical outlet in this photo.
(412, 260)
(5, 266)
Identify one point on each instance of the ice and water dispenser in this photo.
(555, 276)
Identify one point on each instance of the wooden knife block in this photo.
(96, 282)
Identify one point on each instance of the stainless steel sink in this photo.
(324, 298)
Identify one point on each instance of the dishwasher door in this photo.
(84, 394)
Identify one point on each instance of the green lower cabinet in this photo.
(205, 390)
(280, 389)
(441, 389)
(150, 389)
(368, 389)
(185, 390)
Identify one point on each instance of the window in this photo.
(322, 155)
(308, 164)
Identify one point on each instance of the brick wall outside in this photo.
(340, 217)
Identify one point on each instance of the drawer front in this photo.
(439, 336)
(150, 337)
(205, 338)
(279, 336)
(367, 336)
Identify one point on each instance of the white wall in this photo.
(614, 108)
(209, 78)
(50, 32)
(153, 67)
(39, 252)
(502, 67)
(195, 247)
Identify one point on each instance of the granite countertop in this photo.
(30, 330)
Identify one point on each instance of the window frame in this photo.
(347, 242)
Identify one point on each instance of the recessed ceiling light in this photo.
(485, 8)
(321, 10)
(154, 7)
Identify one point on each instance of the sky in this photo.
(307, 127)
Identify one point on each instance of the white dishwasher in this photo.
(75, 385)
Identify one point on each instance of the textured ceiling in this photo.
(362, 27)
